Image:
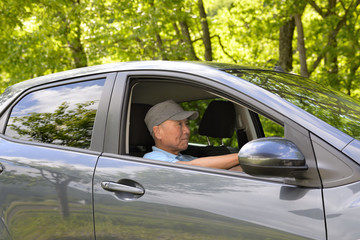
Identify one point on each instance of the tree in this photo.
(301, 45)
(167, 30)
(292, 15)
(41, 37)
(11, 15)
(327, 28)
(285, 44)
(205, 31)
(334, 19)
(60, 182)
(249, 32)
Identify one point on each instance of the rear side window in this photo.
(62, 115)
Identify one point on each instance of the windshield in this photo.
(336, 109)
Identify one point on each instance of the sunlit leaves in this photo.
(43, 36)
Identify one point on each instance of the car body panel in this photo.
(44, 189)
(342, 208)
(178, 202)
(352, 149)
(4, 233)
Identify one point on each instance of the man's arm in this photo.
(223, 162)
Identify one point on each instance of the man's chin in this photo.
(185, 146)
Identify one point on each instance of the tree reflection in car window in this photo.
(334, 108)
(61, 115)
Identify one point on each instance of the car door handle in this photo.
(1, 168)
(127, 186)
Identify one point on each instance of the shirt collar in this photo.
(165, 152)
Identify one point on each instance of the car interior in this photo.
(220, 119)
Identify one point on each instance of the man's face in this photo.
(172, 136)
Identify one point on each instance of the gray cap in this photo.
(168, 110)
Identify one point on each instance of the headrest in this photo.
(218, 120)
(139, 134)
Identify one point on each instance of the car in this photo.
(72, 147)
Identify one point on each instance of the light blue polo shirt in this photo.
(159, 154)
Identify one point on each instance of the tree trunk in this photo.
(77, 49)
(205, 31)
(331, 60)
(329, 52)
(351, 79)
(301, 45)
(285, 45)
(61, 189)
(160, 45)
(186, 35)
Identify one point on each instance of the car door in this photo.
(4, 233)
(137, 198)
(48, 154)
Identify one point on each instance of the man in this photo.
(168, 124)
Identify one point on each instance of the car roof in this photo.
(205, 68)
(190, 67)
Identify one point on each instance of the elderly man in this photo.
(168, 124)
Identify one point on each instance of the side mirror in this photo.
(272, 156)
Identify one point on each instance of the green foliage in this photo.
(249, 32)
(41, 37)
(271, 129)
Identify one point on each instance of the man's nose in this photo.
(186, 129)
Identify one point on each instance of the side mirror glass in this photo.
(273, 156)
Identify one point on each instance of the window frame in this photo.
(101, 113)
(174, 77)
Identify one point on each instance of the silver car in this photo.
(72, 146)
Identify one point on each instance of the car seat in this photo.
(218, 121)
(140, 141)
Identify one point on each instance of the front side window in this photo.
(62, 115)
(223, 125)
(334, 108)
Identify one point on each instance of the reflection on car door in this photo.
(151, 200)
(4, 233)
(45, 192)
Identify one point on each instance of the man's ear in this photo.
(157, 132)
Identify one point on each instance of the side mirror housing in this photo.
(272, 156)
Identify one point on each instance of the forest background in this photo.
(314, 38)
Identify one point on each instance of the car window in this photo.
(264, 126)
(62, 115)
(246, 124)
(334, 108)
